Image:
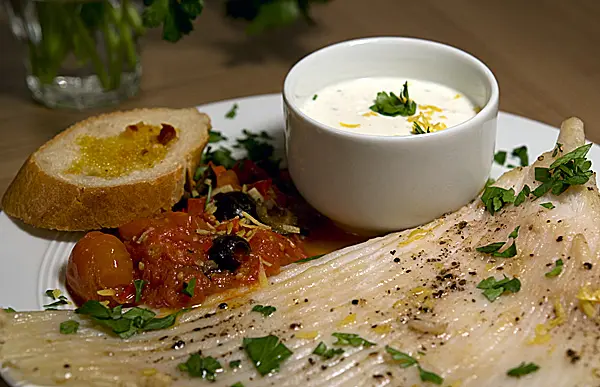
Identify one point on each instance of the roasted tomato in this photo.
(98, 261)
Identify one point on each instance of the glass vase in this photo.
(79, 53)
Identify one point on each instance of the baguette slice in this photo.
(44, 195)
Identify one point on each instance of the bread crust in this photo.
(45, 201)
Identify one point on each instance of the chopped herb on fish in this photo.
(500, 157)
(557, 269)
(232, 112)
(351, 339)
(524, 194)
(310, 258)
(267, 353)
(237, 384)
(428, 376)
(521, 154)
(235, 364)
(9, 310)
(214, 136)
(139, 286)
(523, 369)
(325, 352)
(557, 148)
(69, 327)
(404, 360)
(189, 287)
(492, 288)
(494, 198)
(55, 294)
(494, 248)
(201, 367)
(547, 205)
(265, 310)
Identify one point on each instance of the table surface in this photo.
(545, 54)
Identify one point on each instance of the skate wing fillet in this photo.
(471, 299)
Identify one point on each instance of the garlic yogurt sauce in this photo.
(359, 106)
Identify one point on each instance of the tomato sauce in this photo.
(253, 226)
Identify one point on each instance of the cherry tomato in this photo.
(98, 261)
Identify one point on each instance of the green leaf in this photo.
(521, 153)
(161, 323)
(427, 376)
(310, 258)
(512, 286)
(547, 205)
(135, 313)
(494, 288)
(117, 326)
(201, 367)
(221, 156)
(489, 182)
(351, 339)
(264, 310)
(557, 148)
(542, 174)
(492, 294)
(491, 248)
(235, 364)
(314, 98)
(267, 353)
(326, 353)
(188, 287)
(232, 112)
(522, 195)
(139, 286)
(237, 384)
(494, 198)
(274, 14)
(557, 269)
(9, 310)
(69, 327)
(94, 308)
(214, 136)
(500, 157)
(523, 369)
(580, 152)
(175, 16)
(59, 302)
(417, 129)
(515, 233)
(404, 360)
(392, 105)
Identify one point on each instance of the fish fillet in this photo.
(413, 290)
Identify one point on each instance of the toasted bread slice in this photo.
(48, 193)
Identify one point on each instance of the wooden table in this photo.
(545, 54)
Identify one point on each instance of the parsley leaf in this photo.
(214, 136)
(55, 294)
(417, 129)
(235, 364)
(237, 384)
(175, 16)
(500, 157)
(547, 205)
(493, 248)
(314, 98)
(274, 14)
(427, 376)
(557, 269)
(492, 288)
(68, 327)
(264, 310)
(221, 156)
(188, 287)
(523, 369)
(201, 367)
(521, 153)
(232, 112)
(522, 195)
(404, 359)
(139, 286)
(310, 258)
(351, 339)
(267, 353)
(9, 310)
(557, 148)
(322, 351)
(393, 105)
(494, 198)
(94, 309)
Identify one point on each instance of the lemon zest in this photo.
(343, 124)
(349, 319)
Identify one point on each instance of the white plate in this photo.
(33, 261)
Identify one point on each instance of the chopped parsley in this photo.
(310, 258)
(405, 360)
(326, 353)
(188, 287)
(521, 154)
(139, 286)
(523, 369)
(265, 310)
(201, 367)
(492, 288)
(267, 353)
(235, 364)
(494, 248)
(56, 295)
(500, 157)
(494, 198)
(547, 205)
(393, 105)
(557, 148)
(69, 327)
(232, 112)
(314, 98)
(417, 129)
(524, 194)
(557, 269)
(351, 339)
(9, 310)
(237, 384)
(214, 136)
(570, 169)
(125, 324)
(221, 156)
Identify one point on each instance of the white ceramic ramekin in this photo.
(375, 184)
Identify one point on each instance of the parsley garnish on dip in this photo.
(389, 106)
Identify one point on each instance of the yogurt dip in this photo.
(347, 106)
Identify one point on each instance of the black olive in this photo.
(231, 204)
(226, 251)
